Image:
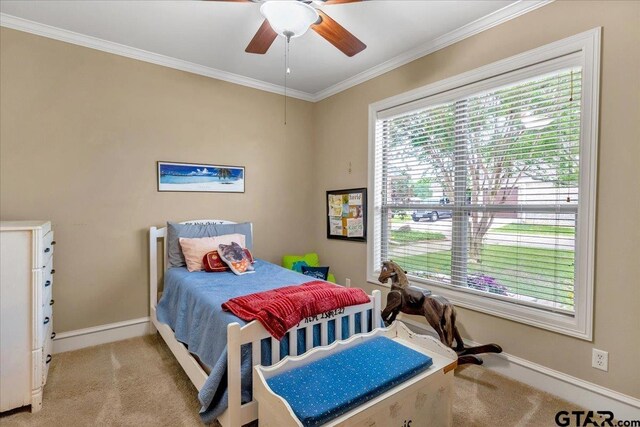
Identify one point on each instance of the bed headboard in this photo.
(156, 234)
(208, 221)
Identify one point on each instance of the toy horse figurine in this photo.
(438, 311)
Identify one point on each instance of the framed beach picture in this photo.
(200, 177)
(347, 214)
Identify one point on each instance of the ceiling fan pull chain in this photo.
(286, 67)
(287, 71)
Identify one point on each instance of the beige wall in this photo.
(341, 132)
(81, 132)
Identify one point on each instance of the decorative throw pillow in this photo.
(319, 273)
(195, 249)
(297, 266)
(214, 264)
(175, 230)
(235, 258)
(311, 259)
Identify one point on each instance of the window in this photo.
(484, 187)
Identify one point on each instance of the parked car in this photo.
(433, 215)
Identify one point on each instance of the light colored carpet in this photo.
(137, 382)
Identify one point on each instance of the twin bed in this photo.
(234, 364)
(218, 350)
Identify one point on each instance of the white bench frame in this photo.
(277, 412)
(237, 413)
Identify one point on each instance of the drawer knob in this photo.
(53, 271)
(51, 302)
(47, 250)
(53, 242)
(47, 283)
(46, 320)
(53, 335)
(48, 358)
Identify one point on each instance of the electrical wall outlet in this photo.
(600, 359)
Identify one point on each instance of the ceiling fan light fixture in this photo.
(289, 18)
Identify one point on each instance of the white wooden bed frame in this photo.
(237, 413)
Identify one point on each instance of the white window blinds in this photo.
(480, 192)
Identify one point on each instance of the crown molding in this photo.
(16, 23)
(486, 22)
(498, 17)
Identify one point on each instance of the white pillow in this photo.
(194, 249)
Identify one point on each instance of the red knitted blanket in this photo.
(281, 309)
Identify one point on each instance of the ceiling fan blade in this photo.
(263, 39)
(341, 1)
(335, 34)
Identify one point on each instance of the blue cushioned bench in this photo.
(329, 387)
(385, 378)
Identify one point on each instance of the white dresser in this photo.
(26, 312)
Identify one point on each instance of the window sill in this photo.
(552, 321)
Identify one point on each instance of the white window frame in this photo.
(583, 48)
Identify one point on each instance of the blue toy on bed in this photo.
(327, 388)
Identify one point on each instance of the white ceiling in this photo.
(209, 37)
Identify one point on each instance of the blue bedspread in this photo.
(191, 306)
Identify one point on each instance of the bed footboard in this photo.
(424, 399)
(253, 333)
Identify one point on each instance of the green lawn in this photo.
(534, 229)
(401, 219)
(399, 236)
(526, 271)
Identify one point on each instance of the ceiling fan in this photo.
(292, 18)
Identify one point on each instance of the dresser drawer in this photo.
(47, 290)
(47, 275)
(47, 354)
(43, 247)
(37, 363)
(45, 325)
(47, 247)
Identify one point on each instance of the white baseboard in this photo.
(81, 338)
(583, 393)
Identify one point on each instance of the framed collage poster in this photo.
(347, 214)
